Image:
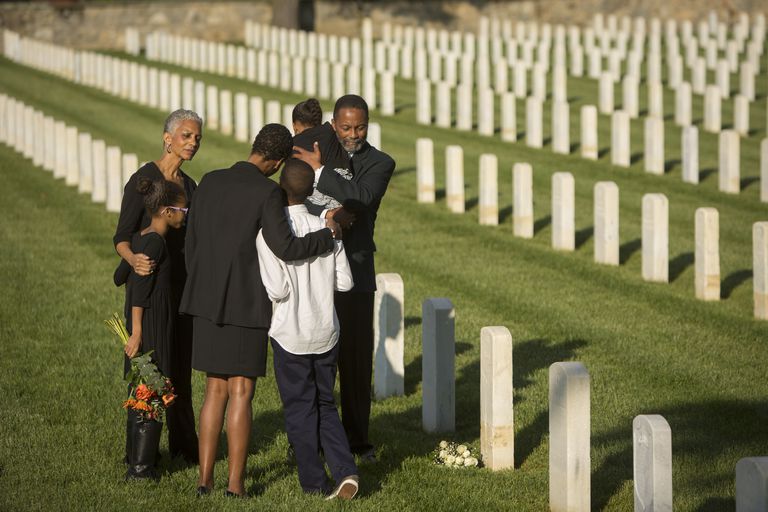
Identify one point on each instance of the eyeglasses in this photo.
(183, 210)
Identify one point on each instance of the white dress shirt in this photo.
(304, 319)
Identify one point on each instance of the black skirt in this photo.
(229, 349)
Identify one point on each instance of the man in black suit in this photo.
(350, 191)
(225, 295)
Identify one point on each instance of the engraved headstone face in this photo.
(454, 178)
(425, 170)
(522, 205)
(752, 484)
(496, 409)
(655, 238)
(652, 462)
(489, 192)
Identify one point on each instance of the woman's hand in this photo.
(134, 345)
(141, 264)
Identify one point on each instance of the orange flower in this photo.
(168, 399)
(141, 405)
(129, 404)
(143, 392)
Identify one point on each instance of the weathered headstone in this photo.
(497, 433)
(99, 193)
(712, 122)
(241, 117)
(683, 104)
(654, 145)
(454, 178)
(488, 205)
(522, 201)
(464, 107)
(85, 164)
(569, 438)
(620, 148)
(741, 115)
(485, 111)
(729, 162)
(690, 154)
(389, 336)
(533, 122)
(630, 102)
(764, 170)
(589, 132)
(114, 178)
(752, 484)
(425, 170)
(256, 117)
(655, 238)
(561, 127)
(212, 107)
(760, 268)
(508, 117)
(606, 93)
(606, 219)
(652, 457)
(707, 258)
(423, 102)
(438, 412)
(563, 212)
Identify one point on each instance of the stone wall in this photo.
(101, 24)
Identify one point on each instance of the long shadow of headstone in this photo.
(733, 280)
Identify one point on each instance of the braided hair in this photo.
(308, 112)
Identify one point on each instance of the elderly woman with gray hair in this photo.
(182, 133)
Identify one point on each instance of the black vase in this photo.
(142, 446)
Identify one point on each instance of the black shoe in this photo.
(203, 491)
(368, 457)
(230, 494)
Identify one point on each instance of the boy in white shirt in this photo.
(304, 334)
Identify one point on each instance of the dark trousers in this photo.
(355, 313)
(182, 439)
(312, 422)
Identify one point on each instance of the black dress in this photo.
(153, 293)
(180, 418)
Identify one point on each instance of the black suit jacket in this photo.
(362, 194)
(223, 280)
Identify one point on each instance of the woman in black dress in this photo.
(181, 139)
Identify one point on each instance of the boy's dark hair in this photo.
(273, 142)
(308, 112)
(297, 179)
(159, 193)
(350, 101)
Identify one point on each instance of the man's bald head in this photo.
(297, 179)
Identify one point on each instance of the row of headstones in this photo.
(569, 408)
(729, 146)
(87, 163)
(312, 76)
(713, 98)
(655, 223)
(596, 55)
(232, 114)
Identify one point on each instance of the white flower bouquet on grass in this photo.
(455, 455)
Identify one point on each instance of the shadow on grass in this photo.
(745, 182)
(504, 213)
(678, 265)
(706, 173)
(700, 432)
(733, 280)
(601, 153)
(439, 194)
(635, 158)
(583, 235)
(410, 321)
(541, 223)
(669, 165)
(471, 203)
(627, 249)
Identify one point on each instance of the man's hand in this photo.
(310, 157)
(345, 218)
(333, 226)
(141, 264)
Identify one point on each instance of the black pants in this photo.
(180, 418)
(355, 313)
(312, 422)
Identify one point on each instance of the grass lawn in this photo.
(649, 348)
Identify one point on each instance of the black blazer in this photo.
(362, 194)
(223, 280)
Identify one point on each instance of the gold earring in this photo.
(167, 148)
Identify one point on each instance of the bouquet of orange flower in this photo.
(151, 391)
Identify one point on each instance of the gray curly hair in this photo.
(177, 116)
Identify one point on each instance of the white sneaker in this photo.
(346, 490)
